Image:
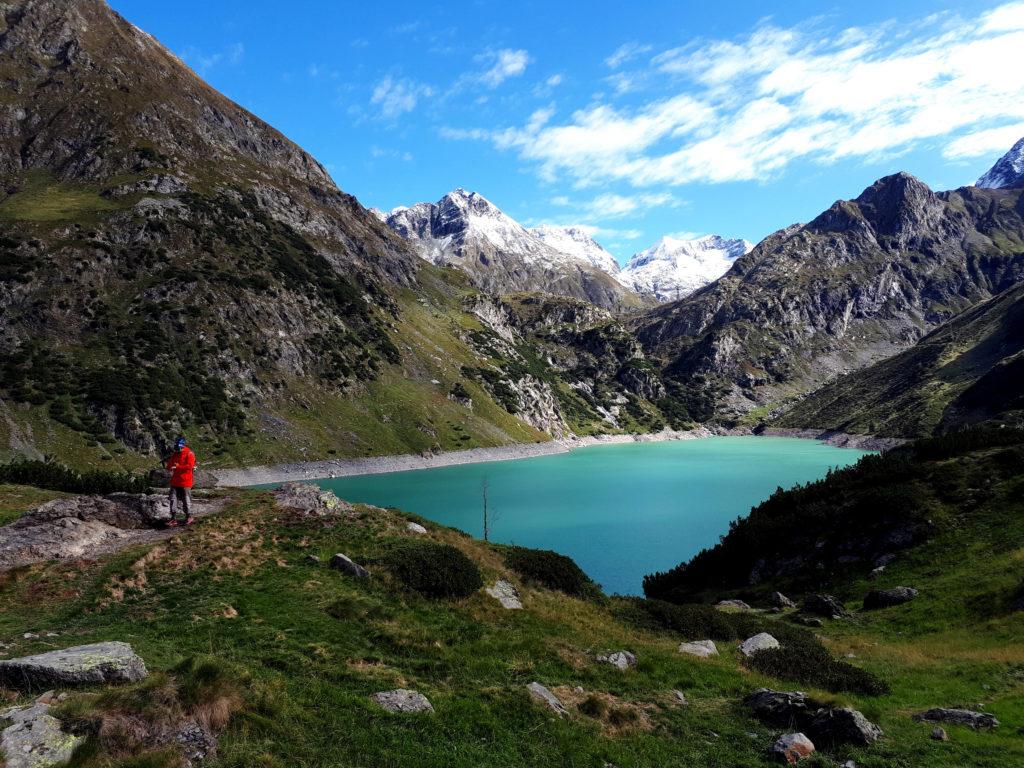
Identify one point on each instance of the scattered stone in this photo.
(543, 696)
(700, 648)
(415, 528)
(403, 700)
(312, 560)
(344, 563)
(506, 594)
(30, 636)
(782, 708)
(759, 642)
(876, 572)
(843, 725)
(939, 734)
(824, 605)
(975, 720)
(619, 660)
(680, 697)
(737, 604)
(48, 697)
(885, 598)
(309, 500)
(111, 662)
(779, 600)
(849, 764)
(809, 621)
(195, 742)
(791, 748)
(35, 739)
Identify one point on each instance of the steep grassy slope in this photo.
(969, 370)
(306, 646)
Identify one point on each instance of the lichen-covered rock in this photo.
(762, 641)
(791, 748)
(309, 500)
(111, 662)
(506, 594)
(345, 564)
(619, 659)
(35, 738)
(415, 528)
(843, 725)
(968, 717)
(543, 696)
(885, 598)
(404, 701)
(699, 648)
(738, 605)
(824, 605)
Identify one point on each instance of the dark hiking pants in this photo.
(182, 496)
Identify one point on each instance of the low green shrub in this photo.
(551, 570)
(805, 660)
(57, 477)
(432, 569)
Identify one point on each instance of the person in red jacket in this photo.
(181, 463)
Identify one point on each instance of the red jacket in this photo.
(181, 465)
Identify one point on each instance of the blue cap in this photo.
(179, 443)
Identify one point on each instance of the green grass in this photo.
(313, 645)
(16, 500)
(41, 199)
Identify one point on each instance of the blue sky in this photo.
(634, 119)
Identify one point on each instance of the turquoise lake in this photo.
(620, 511)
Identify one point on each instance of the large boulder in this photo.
(345, 564)
(619, 659)
(824, 605)
(828, 726)
(543, 696)
(791, 748)
(781, 708)
(403, 700)
(762, 641)
(780, 601)
(885, 598)
(843, 725)
(309, 500)
(699, 648)
(968, 717)
(506, 594)
(111, 662)
(34, 739)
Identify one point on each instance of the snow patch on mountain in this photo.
(574, 242)
(674, 268)
(1008, 170)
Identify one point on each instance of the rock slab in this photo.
(699, 648)
(619, 659)
(111, 662)
(977, 720)
(759, 642)
(506, 594)
(791, 748)
(403, 701)
(886, 598)
(542, 695)
(309, 500)
(35, 738)
(736, 604)
(345, 564)
(824, 605)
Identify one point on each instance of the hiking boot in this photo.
(172, 523)
(190, 520)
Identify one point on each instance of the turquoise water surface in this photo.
(620, 511)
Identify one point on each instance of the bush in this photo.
(57, 477)
(551, 570)
(806, 661)
(433, 570)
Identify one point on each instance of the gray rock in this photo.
(312, 560)
(779, 600)
(111, 662)
(195, 742)
(824, 605)
(791, 748)
(759, 642)
(619, 660)
(345, 564)
(737, 604)
(680, 697)
(35, 738)
(968, 717)
(700, 648)
(415, 528)
(542, 695)
(506, 594)
(876, 572)
(309, 500)
(885, 598)
(809, 621)
(825, 725)
(782, 708)
(843, 725)
(403, 700)
(939, 734)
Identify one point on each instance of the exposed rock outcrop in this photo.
(345, 564)
(968, 717)
(111, 662)
(885, 598)
(35, 739)
(505, 593)
(403, 701)
(699, 648)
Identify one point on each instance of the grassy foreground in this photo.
(303, 647)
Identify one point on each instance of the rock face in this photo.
(759, 642)
(542, 695)
(825, 725)
(824, 605)
(35, 738)
(842, 725)
(345, 564)
(1008, 170)
(404, 701)
(506, 594)
(111, 662)
(700, 648)
(884, 598)
(619, 659)
(309, 500)
(791, 748)
(970, 718)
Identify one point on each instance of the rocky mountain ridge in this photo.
(674, 268)
(1008, 171)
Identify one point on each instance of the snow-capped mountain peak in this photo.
(673, 268)
(576, 243)
(1008, 170)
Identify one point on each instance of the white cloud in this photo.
(743, 109)
(396, 96)
(626, 52)
(554, 80)
(985, 142)
(506, 63)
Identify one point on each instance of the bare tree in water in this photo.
(490, 516)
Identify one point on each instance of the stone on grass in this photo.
(679, 696)
(619, 659)
(762, 641)
(779, 600)
(843, 725)
(791, 748)
(939, 734)
(885, 598)
(111, 662)
(782, 708)
(737, 604)
(824, 605)
(542, 695)
(700, 648)
(809, 621)
(35, 738)
(345, 564)
(968, 717)
(415, 528)
(309, 500)
(312, 560)
(403, 700)
(506, 594)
